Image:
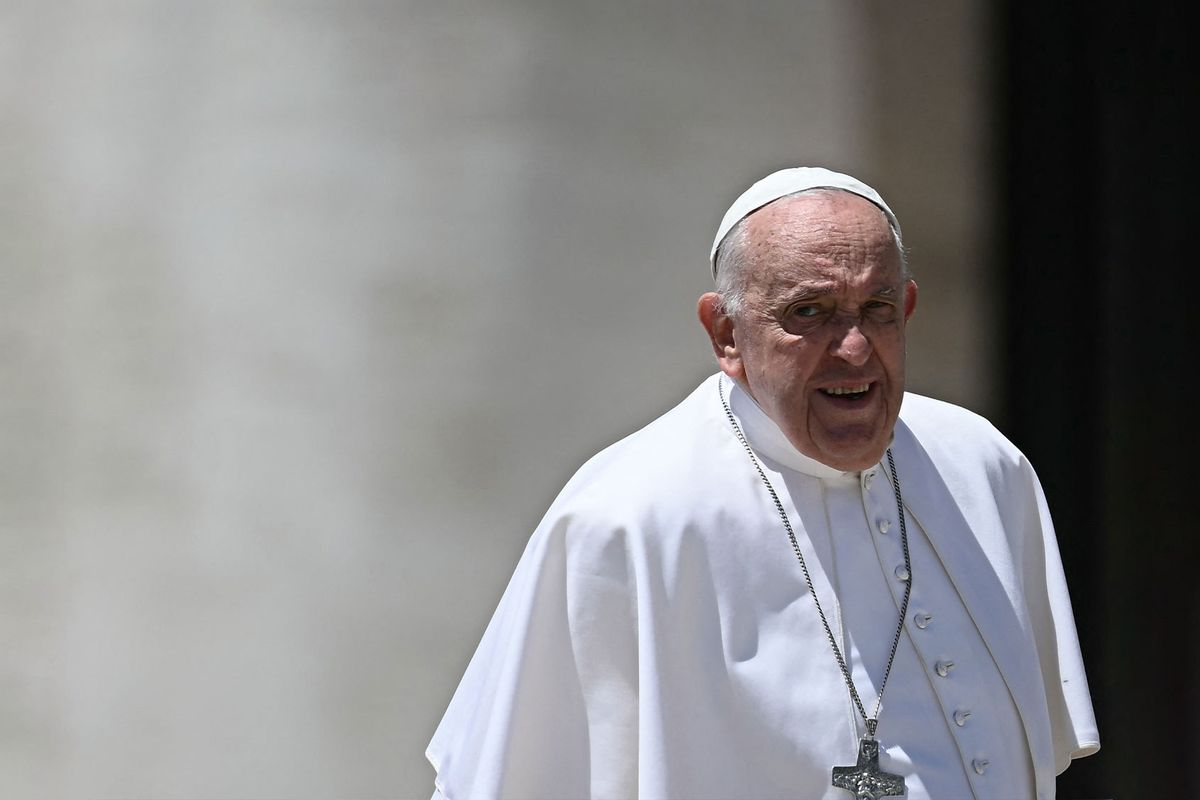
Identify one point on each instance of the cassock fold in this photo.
(657, 640)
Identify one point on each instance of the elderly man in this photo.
(801, 582)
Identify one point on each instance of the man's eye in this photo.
(805, 311)
(879, 309)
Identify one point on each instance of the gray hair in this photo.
(731, 259)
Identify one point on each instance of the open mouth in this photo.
(848, 392)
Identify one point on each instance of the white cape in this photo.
(656, 637)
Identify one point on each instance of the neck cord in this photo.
(871, 721)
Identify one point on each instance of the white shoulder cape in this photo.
(650, 642)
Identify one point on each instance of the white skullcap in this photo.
(788, 181)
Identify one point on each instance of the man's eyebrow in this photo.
(803, 291)
(794, 294)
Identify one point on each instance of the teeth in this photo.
(849, 390)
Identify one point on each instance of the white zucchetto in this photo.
(789, 181)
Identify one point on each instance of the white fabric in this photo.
(788, 181)
(917, 730)
(842, 515)
(656, 639)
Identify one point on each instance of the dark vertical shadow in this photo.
(1098, 264)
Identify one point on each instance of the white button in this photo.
(885, 525)
(943, 667)
(960, 718)
(980, 765)
(922, 620)
(901, 573)
(868, 476)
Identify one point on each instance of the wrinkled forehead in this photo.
(819, 216)
(819, 231)
(786, 182)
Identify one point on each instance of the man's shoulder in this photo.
(655, 466)
(951, 433)
(929, 415)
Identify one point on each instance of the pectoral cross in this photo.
(866, 779)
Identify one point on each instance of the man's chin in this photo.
(851, 454)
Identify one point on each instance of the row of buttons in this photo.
(942, 668)
(922, 620)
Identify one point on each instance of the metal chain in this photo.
(872, 721)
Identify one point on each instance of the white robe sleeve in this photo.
(547, 707)
(1072, 721)
(1001, 499)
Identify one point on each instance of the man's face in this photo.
(819, 340)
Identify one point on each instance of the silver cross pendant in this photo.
(865, 779)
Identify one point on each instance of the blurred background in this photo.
(308, 309)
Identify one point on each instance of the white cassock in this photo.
(657, 639)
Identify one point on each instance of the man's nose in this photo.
(851, 345)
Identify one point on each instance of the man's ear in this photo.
(720, 328)
(910, 299)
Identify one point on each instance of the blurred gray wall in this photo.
(307, 310)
